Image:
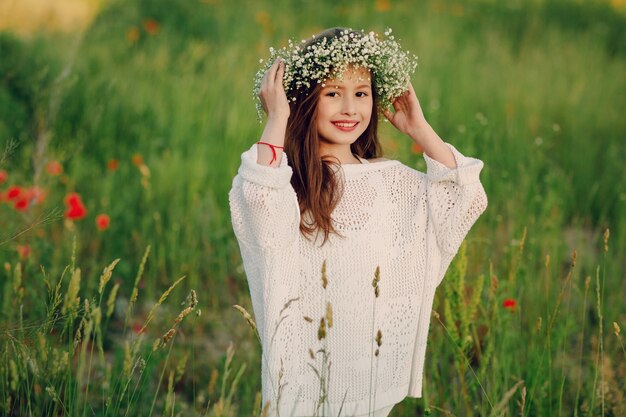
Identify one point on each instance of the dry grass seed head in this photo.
(161, 300)
(246, 316)
(106, 275)
(72, 300)
(111, 299)
(329, 315)
(321, 332)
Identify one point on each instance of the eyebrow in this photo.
(341, 87)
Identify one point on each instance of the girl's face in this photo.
(344, 108)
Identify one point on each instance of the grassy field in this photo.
(119, 142)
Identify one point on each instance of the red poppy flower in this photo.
(103, 221)
(151, 26)
(54, 168)
(72, 199)
(14, 192)
(113, 164)
(509, 303)
(23, 251)
(3, 176)
(21, 204)
(75, 208)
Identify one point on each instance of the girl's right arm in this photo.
(264, 206)
(276, 106)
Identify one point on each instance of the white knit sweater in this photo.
(408, 223)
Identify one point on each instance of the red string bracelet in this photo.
(273, 150)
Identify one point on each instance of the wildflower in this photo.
(3, 176)
(382, 5)
(21, 204)
(151, 26)
(75, 207)
(137, 159)
(54, 168)
(14, 192)
(23, 251)
(132, 34)
(103, 221)
(137, 328)
(113, 164)
(415, 148)
(509, 303)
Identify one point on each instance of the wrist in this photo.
(420, 131)
(278, 118)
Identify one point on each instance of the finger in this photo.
(281, 70)
(411, 91)
(270, 74)
(266, 76)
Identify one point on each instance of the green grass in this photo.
(534, 89)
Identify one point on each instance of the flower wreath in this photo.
(391, 67)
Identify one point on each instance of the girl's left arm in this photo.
(456, 197)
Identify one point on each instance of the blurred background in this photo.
(121, 128)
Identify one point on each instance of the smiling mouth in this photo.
(345, 126)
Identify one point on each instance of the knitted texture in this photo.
(391, 216)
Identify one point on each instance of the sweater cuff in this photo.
(466, 172)
(265, 175)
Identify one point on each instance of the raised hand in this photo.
(409, 119)
(272, 93)
(408, 116)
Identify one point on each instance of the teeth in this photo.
(346, 124)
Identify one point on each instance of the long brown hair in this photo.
(315, 180)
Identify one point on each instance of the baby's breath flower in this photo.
(391, 67)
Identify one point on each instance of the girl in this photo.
(343, 249)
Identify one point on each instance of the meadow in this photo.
(120, 269)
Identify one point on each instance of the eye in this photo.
(332, 92)
(364, 94)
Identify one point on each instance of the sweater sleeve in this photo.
(263, 204)
(456, 198)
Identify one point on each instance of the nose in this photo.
(348, 105)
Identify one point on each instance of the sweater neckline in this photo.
(367, 166)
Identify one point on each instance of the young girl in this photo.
(343, 249)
